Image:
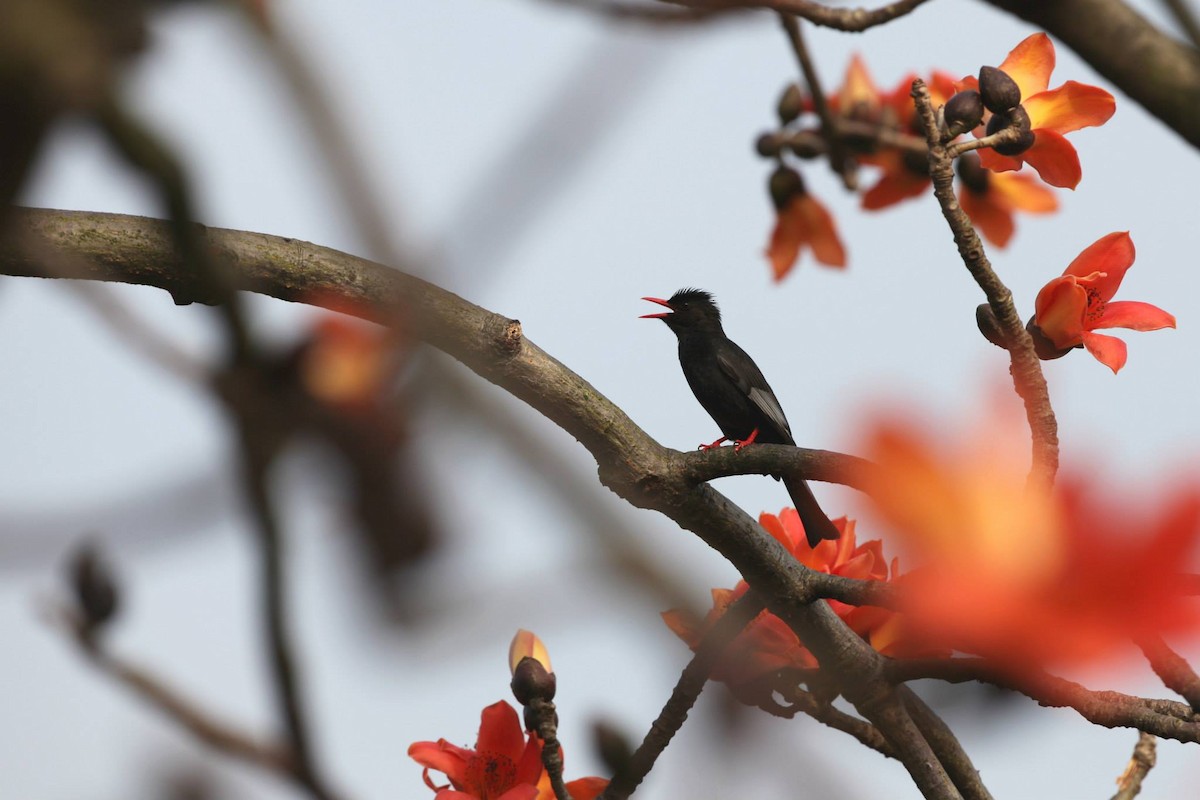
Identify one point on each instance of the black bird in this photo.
(734, 392)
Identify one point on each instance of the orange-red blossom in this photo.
(1052, 113)
(767, 644)
(1071, 307)
(1025, 576)
(505, 764)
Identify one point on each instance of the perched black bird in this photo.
(734, 392)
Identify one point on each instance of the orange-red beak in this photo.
(659, 315)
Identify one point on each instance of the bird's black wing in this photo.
(742, 370)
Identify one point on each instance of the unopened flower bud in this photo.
(985, 318)
(532, 682)
(998, 91)
(791, 104)
(1046, 349)
(526, 643)
(94, 587)
(964, 110)
(612, 745)
(785, 186)
(1014, 118)
(972, 174)
(769, 144)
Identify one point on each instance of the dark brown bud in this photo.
(998, 91)
(95, 589)
(985, 318)
(532, 682)
(964, 111)
(1046, 349)
(791, 104)
(785, 186)
(972, 174)
(769, 144)
(612, 745)
(1013, 118)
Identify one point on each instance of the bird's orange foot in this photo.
(711, 445)
(739, 444)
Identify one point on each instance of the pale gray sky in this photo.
(649, 183)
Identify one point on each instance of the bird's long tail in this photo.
(816, 525)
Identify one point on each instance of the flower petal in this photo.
(1108, 350)
(441, 756)
(500, 732)
(995, 162)
(994, 222)
(822, 235)
(784, 247)
(1054, 158)
(858, 90)
(1059, 311)
(525, 791)
(1022, 192)
(1070, 107)
(1111, 255)
(893, 187)
(586, 788)
(1135, 316)
(1030, 64)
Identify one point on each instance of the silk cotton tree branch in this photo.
(139, 250)
(1026, 368)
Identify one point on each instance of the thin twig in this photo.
(1175, 672)
(852, 20)
(1166, 719)
(1026, 369)
(190, 716)
(1129, 785)
(823, 711)
(147, 152)
(838, 161)
(634, 12)
(691, 682)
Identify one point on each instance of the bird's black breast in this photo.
(728, 383)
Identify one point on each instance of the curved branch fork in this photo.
(137, 250)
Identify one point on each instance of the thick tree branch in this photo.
(630, 463)
(1156, 70)
(852, 20)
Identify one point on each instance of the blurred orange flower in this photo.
(1025, 577)
(991, 199)
(905, 174)
(802, 221)
(505, 764)
(767, 644)
(1052, 113)
(1069, 308)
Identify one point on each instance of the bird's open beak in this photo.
(659, 315)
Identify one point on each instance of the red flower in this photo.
(504, 765)
(1027, 577)
(1052, 113)
(1069, 308)
(991, 199)
(767, 644)
(803, 222)
(905, 174)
